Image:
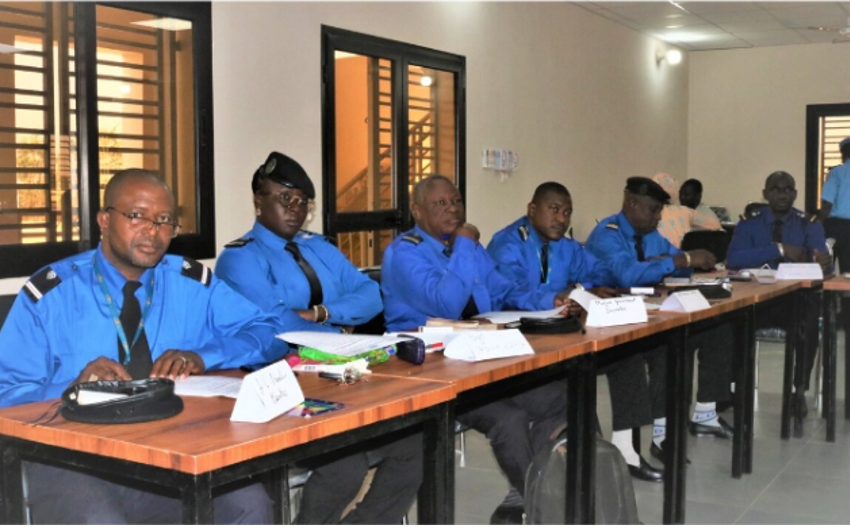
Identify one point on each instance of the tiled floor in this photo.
(800, 481)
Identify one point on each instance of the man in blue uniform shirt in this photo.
(65, 328)
(438, 269)
(309, 285)
(637, 255)
(835, 206)
(780, 233)
(534, 253)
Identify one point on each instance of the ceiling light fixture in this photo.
(672, 56)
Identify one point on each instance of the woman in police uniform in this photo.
(310, 286)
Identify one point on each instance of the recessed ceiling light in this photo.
(673, 27)
(169, 24)
(673, 16)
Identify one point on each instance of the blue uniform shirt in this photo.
(419, 281)
(61, 321)
(752, 242)
(517, 249)
(836, 190)
(612, 241)
(258, 267)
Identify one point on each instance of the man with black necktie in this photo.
(637, 255)
(309, 285)
(439, 269)
(127, 310)
(775, 234)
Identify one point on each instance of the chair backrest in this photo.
(378, 324)
(6, 302)
(715, 242)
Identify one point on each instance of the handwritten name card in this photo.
(618, 311)
(474, 346)
(267, 393)
(685, 302)
(799, 271)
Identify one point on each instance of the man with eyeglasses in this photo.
(775, 234)
(122, 311)
(309, 285)
(439, 269)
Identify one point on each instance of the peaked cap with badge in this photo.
(643, 186)
(285, 171)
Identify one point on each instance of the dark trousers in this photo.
(63, 496)
(336, 482)
(518, 427)
(780, 317)
(839, 230)
(638, 382)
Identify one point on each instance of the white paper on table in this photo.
(685, 302)
(337, 343)
(474, 346)
(267, 393)
(434, 340)
(799, 271)
(208, 386)
(506, 317)
(583, 298)
(617, 311)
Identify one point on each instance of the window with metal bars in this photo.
(87, 90)
(826, 126)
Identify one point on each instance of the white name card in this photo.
(685, 302)
(474, 346)
(799, 271)
(267, 393)
(618, 311)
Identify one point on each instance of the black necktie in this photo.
(471, 308)
(639, 247)
(777, 231)
(309, 272)
(140, 363)
(544, 263)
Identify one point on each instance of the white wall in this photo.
(747, 115)
(579, 97)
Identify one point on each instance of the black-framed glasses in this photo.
(139, 222)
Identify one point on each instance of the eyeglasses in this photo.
(139, 223)
(289, 202)
(347, 377)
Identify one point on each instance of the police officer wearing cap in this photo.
(309, 285)
(127, 310)
(780, 233)
(438, 269)
(637, 255)
(534, 252)
(835, 206)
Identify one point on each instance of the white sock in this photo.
(659, 431)
(706, 414)
(622, 439)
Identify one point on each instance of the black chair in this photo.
(378, 324)
(715, 242)
(6, 302)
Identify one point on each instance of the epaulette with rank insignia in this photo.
(241, 242)
(41, 283)
(196, 271)
(413, 238)
(613, 226)
(523, 232)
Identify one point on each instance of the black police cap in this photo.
(285, 171)
(643, 186)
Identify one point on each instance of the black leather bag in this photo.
(547, 326)
(412, 351)
(143, 400)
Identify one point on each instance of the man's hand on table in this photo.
(176, 364)
(102, 369)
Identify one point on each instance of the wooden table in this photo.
(201, 448)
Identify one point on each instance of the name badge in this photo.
(618, 311)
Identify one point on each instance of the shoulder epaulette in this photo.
(613, 226)
(754, 214)
(196, 271)
(41, 283)
(413, 238)
(241, 242)
(523, 232)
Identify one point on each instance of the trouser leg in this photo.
(715, 358)
(397, 478)
(631, 399)
(334, 483)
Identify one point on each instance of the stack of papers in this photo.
(339, 344)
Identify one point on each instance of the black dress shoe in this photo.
(646, 472)
(802, 407)
(658, 452)
(723, 431)
(507, 515)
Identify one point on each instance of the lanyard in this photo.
(122, 336)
